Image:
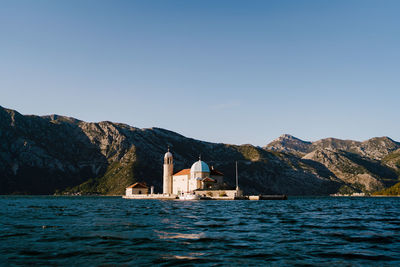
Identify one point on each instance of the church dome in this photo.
(168, 155)
(199, 166)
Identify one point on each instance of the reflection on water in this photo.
(108, 230)
(165, 235)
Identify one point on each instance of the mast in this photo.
(237, 182)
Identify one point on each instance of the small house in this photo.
(137, 189)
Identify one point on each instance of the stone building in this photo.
(137, 189)
(198, 177)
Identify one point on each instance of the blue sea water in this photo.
(95, 231)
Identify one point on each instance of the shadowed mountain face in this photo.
(44, 155)
(393, 160)
(39, 155)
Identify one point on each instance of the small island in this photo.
(200, 182)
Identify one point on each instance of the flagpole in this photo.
(237, 182)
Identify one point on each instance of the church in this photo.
(198, 182)
(198, 177)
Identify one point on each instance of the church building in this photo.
(198, 177)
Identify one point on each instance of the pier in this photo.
(176, 197)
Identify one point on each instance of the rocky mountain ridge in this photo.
(290, 144)
(366, 166)
(55, 154)
(375, 148)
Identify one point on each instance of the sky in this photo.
(221, 71)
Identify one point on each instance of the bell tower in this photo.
(167, 174)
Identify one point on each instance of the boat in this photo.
(189, 196)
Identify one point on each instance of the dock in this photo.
(174, 197)
(151, 196)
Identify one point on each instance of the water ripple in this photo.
(111, 230)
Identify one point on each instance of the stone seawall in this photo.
(216, 194)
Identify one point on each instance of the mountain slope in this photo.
(289, 144)
(393, 160)
(43, 155)
(364, 174)
(391, 191)
(40, 154)
(374, 148)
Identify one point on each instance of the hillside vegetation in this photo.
(391, 191)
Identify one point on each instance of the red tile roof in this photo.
(138, 185)
(183, 172)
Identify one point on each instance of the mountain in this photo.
(393, 160)
(391, 191)
(58, 154)
(375, 148)
(363, 166)
(361, 173)
(54, 154)
(290, 144)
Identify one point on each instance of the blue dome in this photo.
(199, 166)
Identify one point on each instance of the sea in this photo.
(103, 231)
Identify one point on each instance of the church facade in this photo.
(198, 177)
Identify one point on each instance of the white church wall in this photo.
(193, 184)
(199, 174)
(180, 184)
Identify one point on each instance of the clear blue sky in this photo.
(221, 71)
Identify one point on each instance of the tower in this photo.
(167, 174)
